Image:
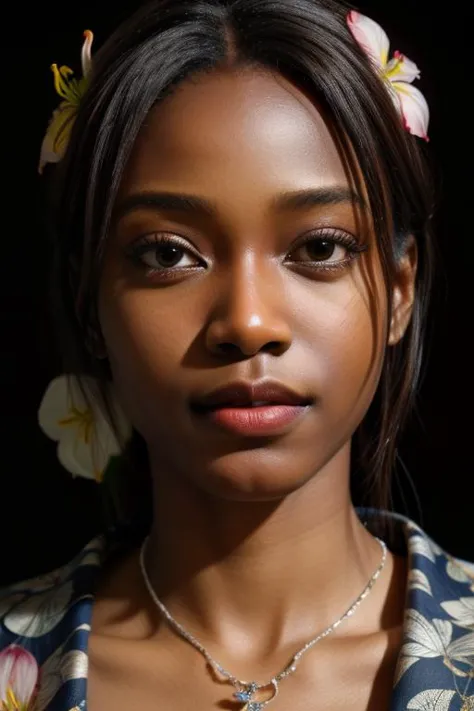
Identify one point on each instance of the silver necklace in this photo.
(245, 690)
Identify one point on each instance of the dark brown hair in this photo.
(308, 42)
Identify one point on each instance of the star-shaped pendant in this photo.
(245, 697)
(246, 693)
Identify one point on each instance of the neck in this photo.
(225, 568)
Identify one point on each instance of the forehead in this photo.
(235, 135)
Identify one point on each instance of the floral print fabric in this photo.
(50, 617)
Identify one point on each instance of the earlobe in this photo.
(403, 292)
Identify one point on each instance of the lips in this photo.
(241, 394)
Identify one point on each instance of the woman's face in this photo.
(236, 293)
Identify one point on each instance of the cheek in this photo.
(346, 335)
(147, 342)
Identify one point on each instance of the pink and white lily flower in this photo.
(18, 678)
(398, 73)
(71, 90)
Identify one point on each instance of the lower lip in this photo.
(262, 420)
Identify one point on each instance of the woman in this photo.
(244, 253)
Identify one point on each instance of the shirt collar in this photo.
(435, 667)
(51, 617)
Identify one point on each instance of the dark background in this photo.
(45, 514)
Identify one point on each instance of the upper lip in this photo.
(244, 393)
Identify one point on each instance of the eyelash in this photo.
(152, 242)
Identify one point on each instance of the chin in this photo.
(246, 476)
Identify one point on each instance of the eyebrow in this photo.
(293, 200)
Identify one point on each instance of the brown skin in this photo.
(256, 546)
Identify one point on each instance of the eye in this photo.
(165, 255)
(162, 253)
(328, 249)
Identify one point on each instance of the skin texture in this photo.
(255, 545)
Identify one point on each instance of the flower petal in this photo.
(104, 445)
(457, 572)
(400, 68)
(371, 37)
(416, 650)
(24, 676)
(39, 614)
(77, 420)
(414, 109)
(57, 135)
(418, 579)
(461, 610)
(56, 404)
(47, 155)
(88, 459)
(18, 672)
(420, 545)
(432, 700)
(462, 649)
(76, 456)
(7, 660)
(104, 442)
(404, 664)
(429, 639)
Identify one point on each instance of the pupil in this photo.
(320, 249)
(168, 255)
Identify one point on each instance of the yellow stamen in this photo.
(11, 703)
(68, 88)
(65, 71)
(59, 83)
(83, 420)
(388, 73)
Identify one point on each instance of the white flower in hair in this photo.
(86, 440)
(398, 73)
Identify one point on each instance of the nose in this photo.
(249, 315)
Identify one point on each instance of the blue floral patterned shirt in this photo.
(50, 616)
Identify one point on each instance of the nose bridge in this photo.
(250, 312)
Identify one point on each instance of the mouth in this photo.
(237, 406)
(255, 420)
(262, 409)
(250, 394)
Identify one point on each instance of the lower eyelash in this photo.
(354, 250)
(332, 266)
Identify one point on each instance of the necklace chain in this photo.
(246, 689)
